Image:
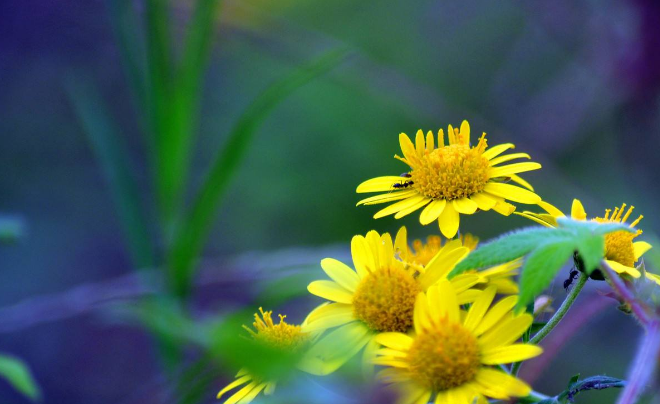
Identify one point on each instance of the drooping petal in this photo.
(401, 205)
(389, 197)
(640, 247)
(465, 205)
(432, 211)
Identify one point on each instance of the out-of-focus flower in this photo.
(288, 338)
(621, 252)
(421, 254)
(452, 356)
(377, 296)
(451, 179)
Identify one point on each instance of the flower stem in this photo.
(645, 361)
(556, 318)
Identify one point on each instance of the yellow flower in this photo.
(284, 337)
(421, 253)
(621, 253)
(453, 355)
(451, 179)
(377, 296)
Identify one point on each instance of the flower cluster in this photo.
(431, 336)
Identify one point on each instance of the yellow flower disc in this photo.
(385, 299)
(452, 172)
(619, 247)
(444, 357)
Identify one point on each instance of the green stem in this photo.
(556, 318)
(533, 397)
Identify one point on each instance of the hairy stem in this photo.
(556, 318)
(644, 365)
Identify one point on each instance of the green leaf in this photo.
(540, 268)
(111, 154)
(191, 236)
(596, 228)
(509, 247)
(591, 250)
(17, 373)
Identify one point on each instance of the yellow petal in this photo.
(420, 145)
(385, 250)
(464, 282)
(412, 208)
(389, 197)
(510, 354)
(407, 147)
(432, 211)
(401, 242)
(362, 258)
(640, 248)
(329, 316)
(484, 201)
(448, 306)
(509, 157)
(373, 241)
(493, 315)
(623, 269)
(430, 145)
(535, 218)
(340, 273)
(331, 291)
(378, 184)
(577, 210)
(512, 193)
(234, 384)
(252, 394)
(394, 340)
(497, 150)
(441, 265)
(421, 319)
(465, 205)
(479, 308)
(498, 380)
(505, 171)
(448, 221)
(518, 180)
(551, 209)
(401, 205)
(506, 332)
(465, 132)
(504, 208)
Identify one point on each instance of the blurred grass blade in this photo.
(17, 373)
(113, 158)
(184, 103)
(131, 46)
(192, 233)
(159, 93)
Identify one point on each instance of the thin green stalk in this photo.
(556, 318)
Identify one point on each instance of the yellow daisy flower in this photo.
(452, 357)
(421, 253)
(377, 296)
(285, 337)
(621, 253)
(451, 179)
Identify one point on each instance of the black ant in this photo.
(404, 184)
(571, 277)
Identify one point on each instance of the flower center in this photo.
(282, 336)
(385, 300)
(619, 247)
(451, 172)
(444, 357)
(619, 244)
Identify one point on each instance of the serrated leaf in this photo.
(17, 373)
(540, 268)
(509, 247)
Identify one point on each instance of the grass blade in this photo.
(112, 156)
(17, 373)
(192, 234)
